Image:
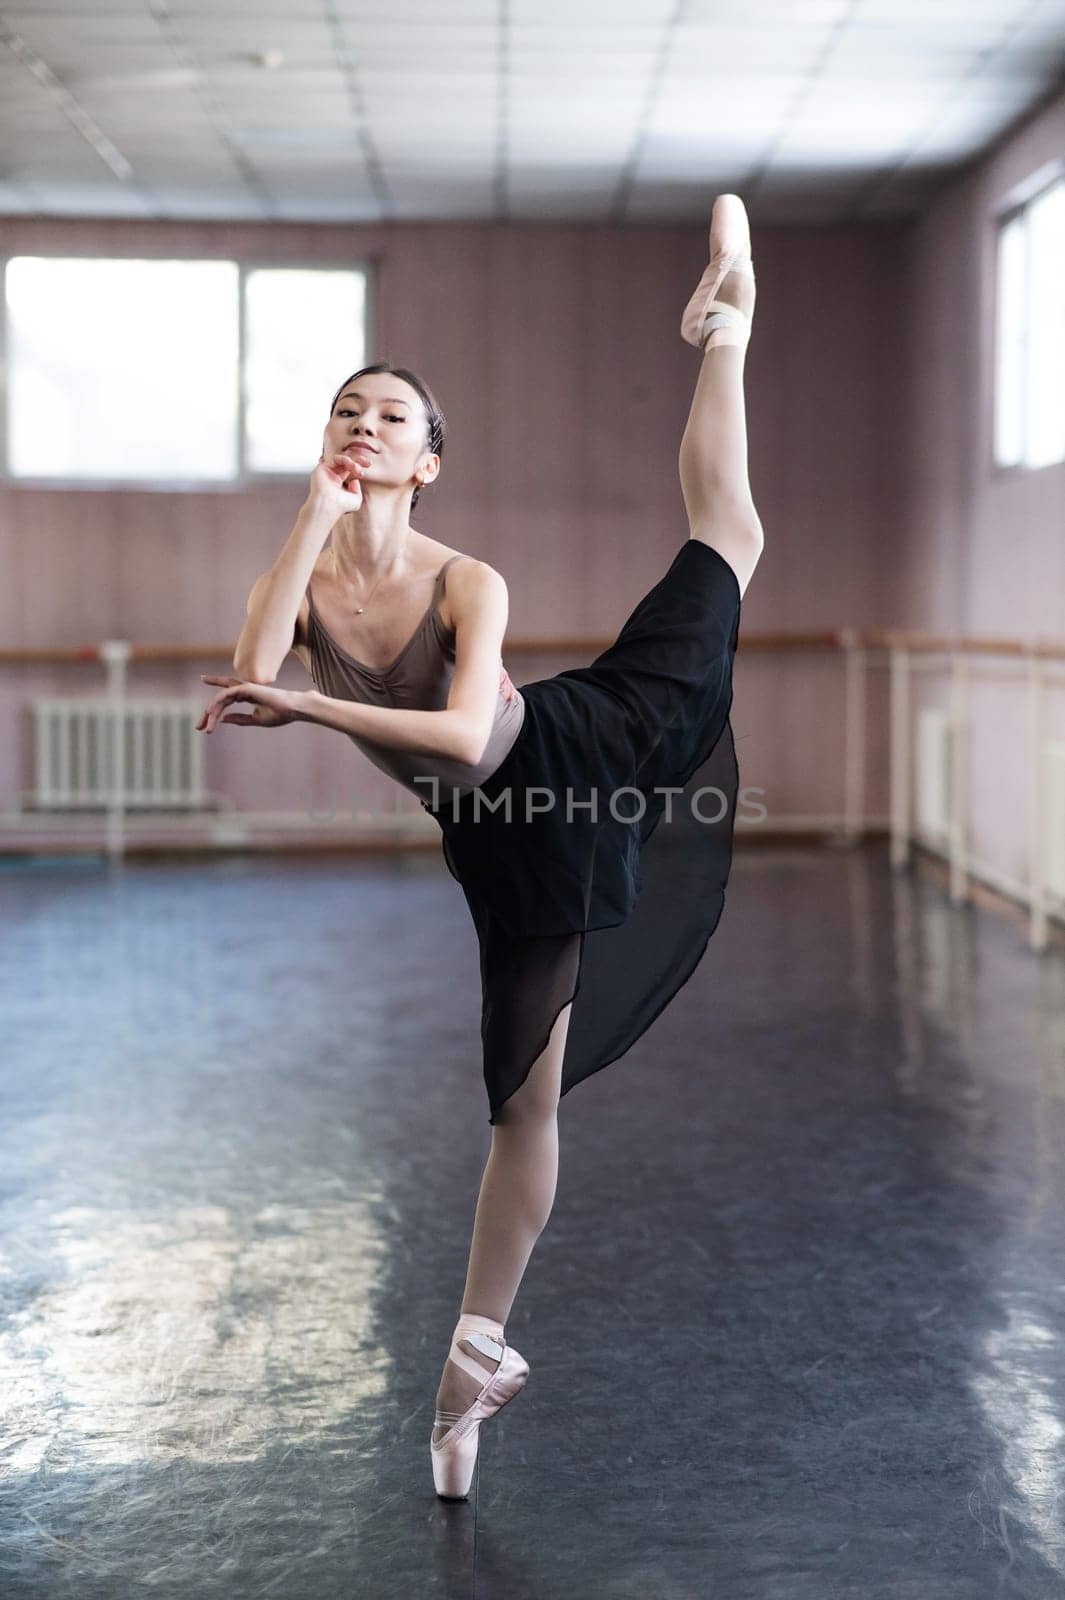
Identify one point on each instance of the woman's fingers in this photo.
(231, 697)
(271, 707)
(226, 683)
(210, 716)
(210, 706)
(354, 466)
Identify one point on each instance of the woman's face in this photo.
(388, 415)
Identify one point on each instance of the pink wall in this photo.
(556, 355)
(983, 549)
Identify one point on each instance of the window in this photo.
(1030, 334)
(155, 373)
(298, 324)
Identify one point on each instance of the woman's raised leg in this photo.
(713, 451)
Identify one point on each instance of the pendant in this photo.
(359, 610)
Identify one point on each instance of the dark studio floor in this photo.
(795, 1325)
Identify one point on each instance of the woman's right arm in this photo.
(274, 602)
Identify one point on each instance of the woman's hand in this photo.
(273, 707)
(335, 482)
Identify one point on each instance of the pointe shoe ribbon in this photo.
(707, 321)
(455, 1455)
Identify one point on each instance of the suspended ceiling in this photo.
(571, 110)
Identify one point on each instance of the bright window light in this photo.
(130, 371)
(1046, 351)
(1030, 334)
(121, 369)
(305, 330)
(1012, 341)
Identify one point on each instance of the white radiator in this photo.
(147, 754)
(1054, 813)
(934, 754)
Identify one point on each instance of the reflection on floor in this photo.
(794, 1326)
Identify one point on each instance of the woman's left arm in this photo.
(425, 733)
(460, 732)
(438, 733)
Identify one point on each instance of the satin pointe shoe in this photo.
(455, 1456)
(707, 321)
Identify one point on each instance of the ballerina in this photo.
(589, 917)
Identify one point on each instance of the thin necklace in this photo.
(360, 609)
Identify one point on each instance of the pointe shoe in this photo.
(455, 1456)
(707, 321)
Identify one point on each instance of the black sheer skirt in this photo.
(595, 858)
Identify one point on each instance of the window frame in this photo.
(245, 477)
(1050, 175)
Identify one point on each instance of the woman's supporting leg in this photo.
(519, 1183)
(516, 1195)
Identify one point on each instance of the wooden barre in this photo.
(768, 640)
